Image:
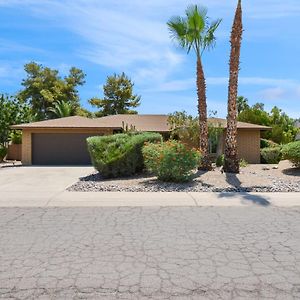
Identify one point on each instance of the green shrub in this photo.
(291, 152)
(220, 160)
(267, 143)
(171, 161)
(120, 154)
(271, 155)
(264, 143)
(243, 163)
(3, 152)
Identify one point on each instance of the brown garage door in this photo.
(60, 149)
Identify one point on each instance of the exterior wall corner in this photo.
(26, 148)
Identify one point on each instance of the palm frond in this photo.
(178, 30)
(200, 10)
(197, 20)
(194, 30)
(209, 40)
(62, 109)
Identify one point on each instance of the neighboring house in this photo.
(63, 141)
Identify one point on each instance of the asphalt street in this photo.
(250, 252)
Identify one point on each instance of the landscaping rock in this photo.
(251, 179)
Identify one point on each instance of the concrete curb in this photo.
(117, 199)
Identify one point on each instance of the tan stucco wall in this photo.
(27, 141)
(26, 147)
(248, 145)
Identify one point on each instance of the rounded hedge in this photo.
(120, 154)
(291, 152)
(271, 155)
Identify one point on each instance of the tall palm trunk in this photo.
(202, 109)
(231, 148)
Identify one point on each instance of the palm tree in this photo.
(62, 109)
(194, 31)
(242, 104)
(231, 163)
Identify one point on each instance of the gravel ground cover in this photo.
(10, 163)
(253, 178)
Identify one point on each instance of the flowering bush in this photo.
(171, 161)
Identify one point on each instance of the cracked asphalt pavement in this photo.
(150, 253)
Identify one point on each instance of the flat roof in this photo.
(156, 123)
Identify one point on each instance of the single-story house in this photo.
(63, 141)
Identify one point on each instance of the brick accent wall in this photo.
(27, 140)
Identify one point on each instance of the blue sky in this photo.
(103, 37)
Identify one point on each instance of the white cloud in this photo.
(12, 46)
(117, 37)
(177, 85)
(133, 36)
(189, 83)
(276, 93)
(10, 73)
(253, 81)
(269, 89)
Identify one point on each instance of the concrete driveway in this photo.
(26, 186)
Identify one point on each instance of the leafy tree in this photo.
(283, 127)
(62, 109)
(193, 31)
(242, 104)
(259, 106)
(118, 97)
(254, 115)
(44, 86)
(231, 161)
(80, 111)
(186, 128)
(11, 112)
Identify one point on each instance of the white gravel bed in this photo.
(10, 163)
(254, 178)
